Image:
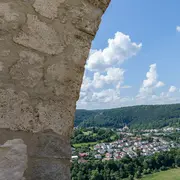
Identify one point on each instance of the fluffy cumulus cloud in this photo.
(118, 50)
(148, 91)
(151, 82)
(104, 80)
(111, 76)
(101, 88)
(178, 28)
(172, 89)
(104, 77)
(106, 96)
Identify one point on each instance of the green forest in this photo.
(130, 168)
(139, 117)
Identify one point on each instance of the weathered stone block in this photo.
(28, 71)
(48, 169)
(40, 36)
(10, 17)
(13, 160)
(48, 8)
(40, 145)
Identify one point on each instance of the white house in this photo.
(98, 156)
(101, 151)
(110, 150)
(74, 157)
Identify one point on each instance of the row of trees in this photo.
(125, 168)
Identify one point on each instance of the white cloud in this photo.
(111, 98)
(106, 96)
(160, 84)
(95, 96)
(104, 78)
(178, 28)
(112, 76)
(172, 89)
(150, 83)
(99, 97)
(119, 49)
(86, 83)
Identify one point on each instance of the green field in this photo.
(87, 133)
(84, 144)
(173, 174)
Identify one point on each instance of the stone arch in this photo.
(43, 48)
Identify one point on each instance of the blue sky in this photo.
(135, 56)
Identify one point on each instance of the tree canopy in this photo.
(144, 116)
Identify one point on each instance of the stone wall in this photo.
(43, 48)
(13, 160)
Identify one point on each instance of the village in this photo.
(150, 142)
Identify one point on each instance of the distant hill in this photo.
(144, 116)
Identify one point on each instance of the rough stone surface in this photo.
(100, 4)
(44, 45)
(39, 36)
(48, 154)
(10, 17)
(13, 160)
(28, 71)
(46, 169)
(15, 111)
(48, 8)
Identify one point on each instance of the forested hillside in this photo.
(144, 116)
